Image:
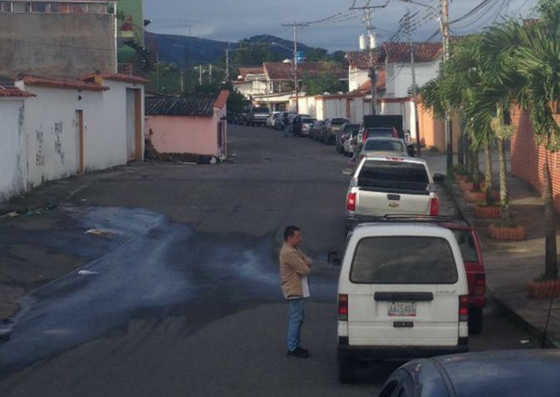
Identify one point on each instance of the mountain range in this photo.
(188, 50)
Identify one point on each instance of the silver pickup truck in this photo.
(384, 185)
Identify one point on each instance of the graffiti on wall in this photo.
(39, 157)
(57, 140)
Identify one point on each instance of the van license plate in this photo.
(402, 309)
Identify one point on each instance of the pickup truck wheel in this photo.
(346, 370)
(475, 320)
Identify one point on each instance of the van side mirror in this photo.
(439, 178)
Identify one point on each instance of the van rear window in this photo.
(398, 174)
(403, 260)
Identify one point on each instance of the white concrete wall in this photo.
(399, 79)
(356, 77)
(13, 170)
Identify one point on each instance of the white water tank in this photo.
(372, 41)
(363, 43)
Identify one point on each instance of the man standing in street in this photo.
(295, 267)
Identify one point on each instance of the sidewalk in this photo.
(511, 265)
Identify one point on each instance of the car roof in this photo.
(399, 229)
(492, 373)
(384, 138)
(415, 160)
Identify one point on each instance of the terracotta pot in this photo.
(507, 233)
(475, 197)
(543, 289)
(486, 212)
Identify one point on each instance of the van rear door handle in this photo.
(403, 296)
(395, 197)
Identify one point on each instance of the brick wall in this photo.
(527, 158)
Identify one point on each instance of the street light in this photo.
(296, 88)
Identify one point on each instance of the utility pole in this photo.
(200, 74)
(446, 56)
(210, 74)
(368, 17)
(227, 64)
(414, 88)
(296, 25)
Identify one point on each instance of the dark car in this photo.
(241, 118)
(511, 373)
(343, 134)
(315, 130)
(332, 126)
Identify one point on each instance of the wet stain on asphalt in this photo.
(151, 268)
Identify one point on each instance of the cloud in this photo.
(229, 20)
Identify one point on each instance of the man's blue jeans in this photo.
(297, 312)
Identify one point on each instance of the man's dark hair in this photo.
(290, 231)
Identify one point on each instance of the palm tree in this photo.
(527, 58)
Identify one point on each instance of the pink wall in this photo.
(180, 134)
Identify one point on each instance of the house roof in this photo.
(380, 84)
(65, 1)
(124, 78)
(195, 105)
(391, 52)
(14, 92)
(284, 71)
(244, 71)
(423, 52)
(64, 84)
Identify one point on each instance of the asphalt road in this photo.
(181, 296)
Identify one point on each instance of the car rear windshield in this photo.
(260, 110)
(467, 245)
(339, 121)
(384, 145)
(379, 132)
(393, 174)
(308, 120)
(403, 260)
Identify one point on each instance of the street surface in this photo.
(179, 294)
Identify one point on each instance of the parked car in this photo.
(315, 130)
(469, 244)
(384, 147)
(343, 134)
(511, 373)
(382, 132)
(279, 120)
(271, 119)
(240, 118)
(332, 126)
(351, 143)
(390, 185)
(307, 123)
(402, 294)
(258, 115)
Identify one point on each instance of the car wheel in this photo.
(475, 320)
(346, 370)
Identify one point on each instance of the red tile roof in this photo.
(222, 99)
(380, 84)
(360, 60)
(423, 52)
(65, 84)
(244, 71)
(284, 71)
(14, 92)
(124, 78)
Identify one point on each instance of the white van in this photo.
(402, 294)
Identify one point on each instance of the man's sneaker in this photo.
(298, 353)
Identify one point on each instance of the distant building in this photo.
(58, 39)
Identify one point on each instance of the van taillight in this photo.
(480, 285)
(463, 308)
(351, 201)
(434, 207)
(343, 307)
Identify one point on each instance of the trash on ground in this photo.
(10, 215)
(101, 233)
(87, 273)
(524, 341)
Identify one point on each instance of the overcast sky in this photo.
(233, 20)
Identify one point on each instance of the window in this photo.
(5, 6)
(40, 7)
(78, 8)
(60, 8)
(466, 243)
(394, 174)
(21, 7)
(97, 9)
(383, 145)
(403, 260)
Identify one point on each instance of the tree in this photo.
(324, 82)
(531, 66)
